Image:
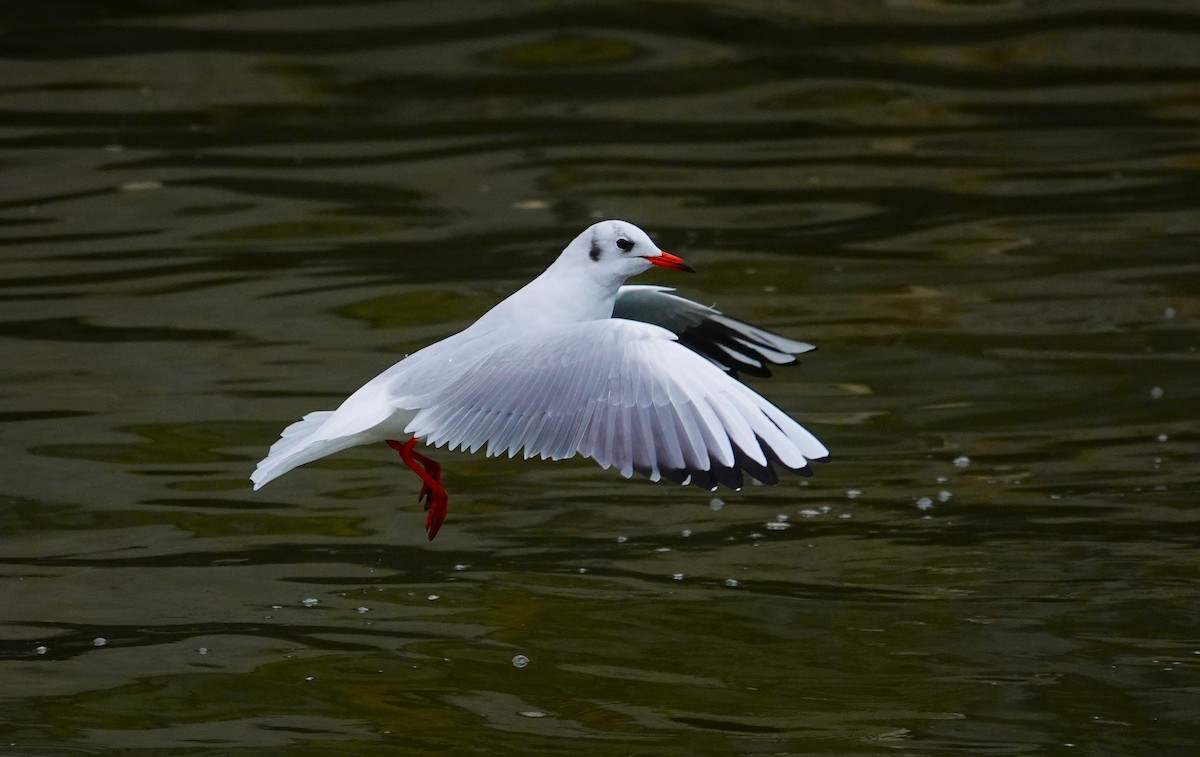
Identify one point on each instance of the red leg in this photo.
(432, 492)
(434, 469)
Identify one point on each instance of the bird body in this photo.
(577, 362)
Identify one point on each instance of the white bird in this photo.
(576, 363)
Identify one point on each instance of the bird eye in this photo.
(624, 244)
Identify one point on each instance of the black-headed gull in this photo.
(575, 362)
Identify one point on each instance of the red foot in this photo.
(437, 504)
(433, 494)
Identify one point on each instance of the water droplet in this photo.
(924, 503)
(1169, 312)
(202, 650)
(677, 576)
(1163, 437)
(520, 661)
(716, 503)
(731, 583)
(942, 479)
(310, 602)
(583, 570)
(944, 496)
(433, 597)
(663, 549)
(853, 493)
(809, 513)
(460, 566)
(685, 532)
(845, 516)
(309, 678)
(364, 609)
(532, 714)
(1156, 393)
(962, 461)
(622, 539)
(42, 650)
(777, 525)
(99, 641)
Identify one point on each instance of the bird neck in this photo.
(553, 298)
(570, 298)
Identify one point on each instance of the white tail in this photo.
(295, 447)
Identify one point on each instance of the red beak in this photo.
(667, 260)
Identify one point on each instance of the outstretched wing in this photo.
(732, 344)
(627, 395)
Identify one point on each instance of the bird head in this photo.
(618, 250)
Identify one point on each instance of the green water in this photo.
(216, 218)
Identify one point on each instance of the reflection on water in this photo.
(984, 214)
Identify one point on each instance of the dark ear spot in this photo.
(594, 253)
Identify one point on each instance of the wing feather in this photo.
(732, 344)
(667, 440)
(646, 461)
(623, 393)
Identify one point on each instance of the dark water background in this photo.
(215, 218)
